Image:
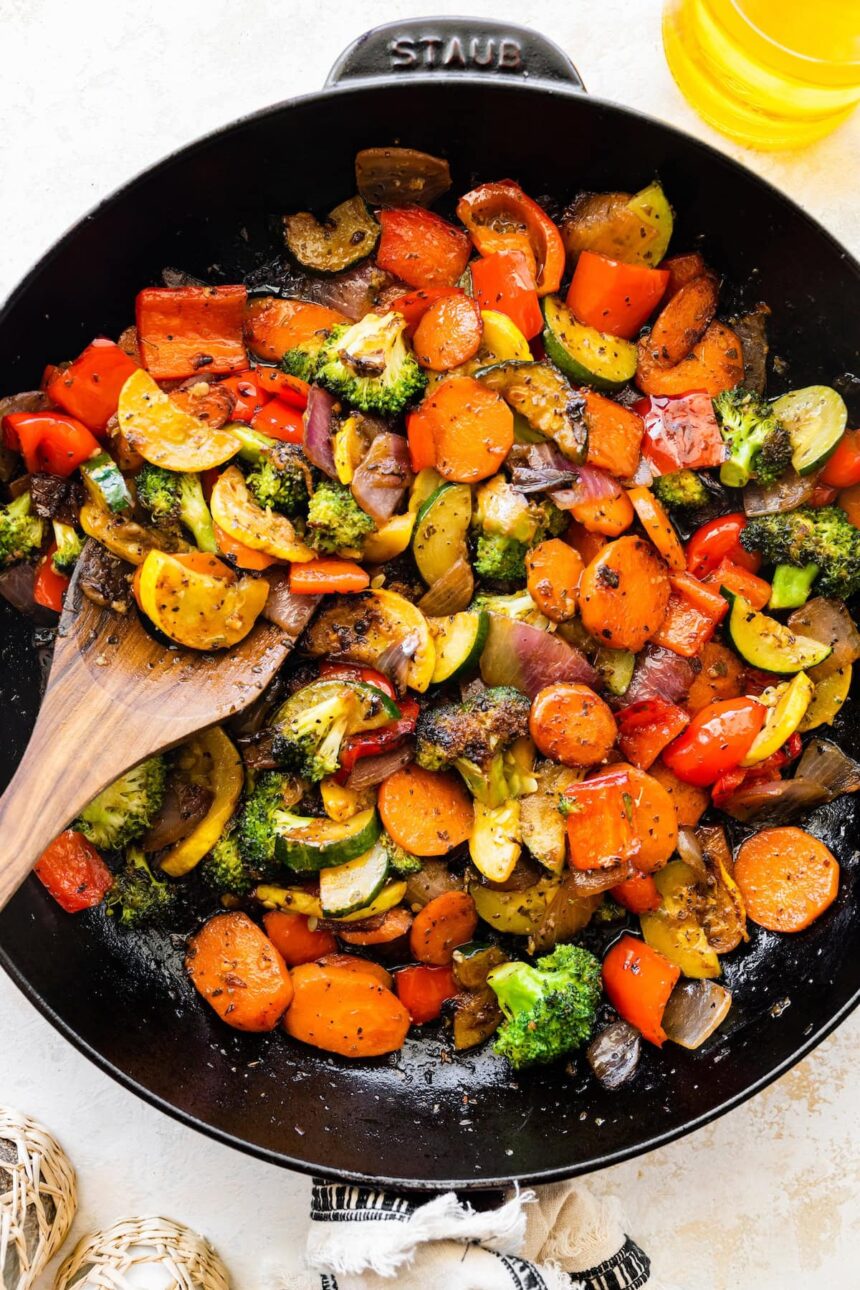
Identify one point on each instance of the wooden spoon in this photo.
(115, 696)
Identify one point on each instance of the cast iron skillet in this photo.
(413, 1120)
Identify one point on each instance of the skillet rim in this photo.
(382, 85)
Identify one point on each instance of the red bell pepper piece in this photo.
(422, 445)
(414, 304)
(680, 432)
(328, 576)
(763, 772)
(720, 540)
(385, 739)
(421, 248)
(716, 740)
(49, 587)
(638, 895)
(692, 615)
(501, 217)
(248, 393)
(505, 281)
(843, 468)
(599, 822)
(822, 495)
(739, 580)
(280, 421)
(422, 990)
(612, 296)
(358, 672)
(74, 872)
(646, 727)
(49, 441)
(291, 390)
(183, 331)
(638, 982)
(89, 389)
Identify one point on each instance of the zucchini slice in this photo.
(354, 885)
(105, 484)
(616, 668)
(585, 354)
(307, 844)
(301, 900)
(768, 644)
(459, 641)
(815, 418)
(651, 207)
(542, 396)
(439, 536)
(516, 913)
(345, 237)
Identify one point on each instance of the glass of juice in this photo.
(771, 73)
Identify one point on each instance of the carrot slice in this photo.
(345, 1012)
(239, 972)
(293, 938)
(553, 571)
(328, 576)
(414, 304)
(787, 878)
(683, 269)
(660, 529)
(422, 990)
(449, 333)
(638, 895)
(245, 557)
(353, 963)
(620, 814)
(444, 923)
(721, 677)
(681, 323)
(473, 429)
(572, 724)
(690, 801)
(426, 812)
(588, 543)
(623, 594)
(614, 434)
(607, 515)
(395, 923)
(273, 325)
(715, 364)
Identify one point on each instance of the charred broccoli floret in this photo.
(312, 725)
(280, 477)
(137, 898)
(519, 606)
(500, 558)
(69, 546)
(368, 365)
(172, 498)
(336, 522)
(822, 535)
(302, 360)
(125, 809)
(549, 1008)
(401, 861)
(475, 737)
(225, 869)
(255, 828)
(759, 444)
(683, 490)
(20, 531)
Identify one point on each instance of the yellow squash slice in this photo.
(235, 511)
(201, 610)
(154, 426)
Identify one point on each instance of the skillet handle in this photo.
(456, 47)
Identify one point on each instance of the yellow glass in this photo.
(771, 73)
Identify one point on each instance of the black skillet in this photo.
(497, 101)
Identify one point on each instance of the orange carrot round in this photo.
(239, 972)
(293, 938)
(610, 516)
(426, 812)
(721, 677)
(787, 878)
(245, 556)
(690, 801)
(353, 963)
(345, 1012)
(623, 594)
(444, 923)
(715, 364)
(449, 333)
(395, 923)
(274, 325)
(553, 571)
(473, 429)
(682, 322)
(572, 724)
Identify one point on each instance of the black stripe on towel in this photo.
(629, 1269)
(524, 1276)
(339, 1203)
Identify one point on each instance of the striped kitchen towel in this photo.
(559, 1238)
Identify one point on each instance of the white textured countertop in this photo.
(90, 95)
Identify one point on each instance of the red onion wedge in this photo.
(529, 658)
(613, 1055)
(382, 478)
(828, 621)
(590, 485)
(319, 449)
(289, 612)
(369, 771)
(660, 674)
(775, 802)
(825, 764)
(789, 492)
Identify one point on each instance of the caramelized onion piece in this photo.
(694, 1011)
(613, 1055)
(400, 176)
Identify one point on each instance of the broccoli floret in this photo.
(552, 521)
(759, 444)
(311, 741)
(172, 498)
(69, 546)
(125, 809)
(503, 559)
(368, 365)
(280, 477)
(302, 360)
(21, 531)
(683, 490)
(475, 737)
(225, 869)
(137, 898)
(549, 1008)
(255, 829)
(518, 606)
(401, 861)
(336, 522)
(822, 535)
